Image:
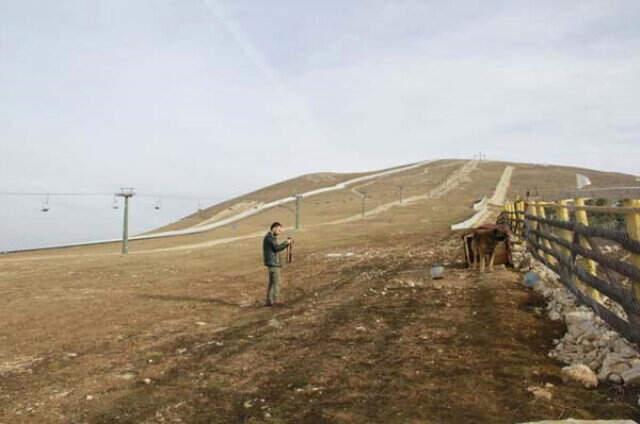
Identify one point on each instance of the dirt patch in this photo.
(368, 342)
(366, 337)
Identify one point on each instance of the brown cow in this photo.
(484, 241)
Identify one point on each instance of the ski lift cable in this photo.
(22, 193)
(144, 195)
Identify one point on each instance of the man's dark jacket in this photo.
(270, 249)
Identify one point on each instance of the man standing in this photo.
(270, 251)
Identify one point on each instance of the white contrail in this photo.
(295, 106)
(243, 42)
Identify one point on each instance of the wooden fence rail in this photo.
(558, 234)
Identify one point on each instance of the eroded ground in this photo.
(180, 335)
(364, 337)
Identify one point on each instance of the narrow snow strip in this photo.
(454, 180)
(484, 207)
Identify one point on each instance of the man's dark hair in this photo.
(275, 224)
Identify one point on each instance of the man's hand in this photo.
(289, 240)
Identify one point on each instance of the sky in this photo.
(211, 99)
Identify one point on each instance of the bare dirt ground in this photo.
(365, 335)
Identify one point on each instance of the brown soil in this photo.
(183, 336)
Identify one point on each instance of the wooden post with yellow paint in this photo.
(547, 243)
(514, 218)
(592, 266)
(567, 235)
(632, 220)
(520, 215)
(510, 209)
(563, 215)
(533, 211)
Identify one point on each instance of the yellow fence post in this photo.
(520, 215)
(505, 209)
(534, 225)
(510, 211)
(632, 220)
(592, 267)
(547, 243)
(563, 215)
(567, 235)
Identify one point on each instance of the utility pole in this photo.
(125, 192)
(298, 200)
(401, 190)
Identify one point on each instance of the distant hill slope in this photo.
(278, 190)
(545, 180)
(551, 181)
(344, 206)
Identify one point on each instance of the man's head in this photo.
(276, 228)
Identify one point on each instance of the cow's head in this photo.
(501, 232)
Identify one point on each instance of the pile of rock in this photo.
(589, 341)
(590, 347)
(520, 257)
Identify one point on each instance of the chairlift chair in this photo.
(115, 203)
(157, 205)
(45, 205)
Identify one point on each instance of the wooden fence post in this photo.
(567, 235)
(563, 215)
(509, 206)
(534, 225)
(520, 215)
(505, 209)
(592, 266)
(632, 220)
(542, 214)
(512, 214)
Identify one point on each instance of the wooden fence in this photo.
(559, 235)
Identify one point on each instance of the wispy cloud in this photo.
(220, 97)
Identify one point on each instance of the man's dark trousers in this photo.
(274, 285)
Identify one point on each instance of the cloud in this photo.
(221, 97)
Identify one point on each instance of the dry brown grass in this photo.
(79, 320)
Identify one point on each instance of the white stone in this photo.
(554, 316)
(578, 316)
(615, 379)
(581, 374)
(540, 393)
(613, 363)
(631, 377)
(623, 348)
